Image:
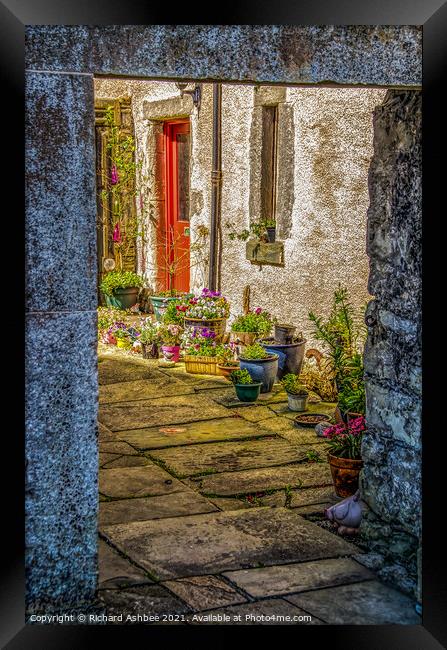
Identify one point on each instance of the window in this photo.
(269, 162)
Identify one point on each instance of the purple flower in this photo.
(258, 310)
(113, 176)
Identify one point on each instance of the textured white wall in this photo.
(333, 148)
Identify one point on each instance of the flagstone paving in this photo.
(270, 478)
(293, 578)
(231, 456)
(154, 507)
(216, 542)
(208, 497)
(214, 430)
(160, 411)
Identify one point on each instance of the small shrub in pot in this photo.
(297, 393)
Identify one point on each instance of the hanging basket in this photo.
(201, 365)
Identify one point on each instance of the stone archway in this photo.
(61, 438)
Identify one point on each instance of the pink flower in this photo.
(258, 310)
(117, 233)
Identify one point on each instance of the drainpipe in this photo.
(216, 185)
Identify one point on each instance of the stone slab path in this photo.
(204, 504)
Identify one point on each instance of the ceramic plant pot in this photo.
(290, 355)
(226, 371)
(297, 402)
(160, 303)
(345, 475)
(171, 352)
(248, 392)
(123, 298)
(124, 344)
(149, 350)
(271, 234)
(284, 333)
(262, 370)
(244, 338)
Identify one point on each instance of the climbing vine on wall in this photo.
(123, 186)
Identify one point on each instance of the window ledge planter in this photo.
(201, 365)
(262, 253)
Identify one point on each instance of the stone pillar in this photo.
(61, 364)
(391, 479)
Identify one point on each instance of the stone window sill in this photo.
(265, 254)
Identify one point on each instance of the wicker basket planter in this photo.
(216, 325)
(201, 365)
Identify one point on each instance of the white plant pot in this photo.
(297, 402)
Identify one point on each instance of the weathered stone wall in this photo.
(324, 150)
(61, 364)
(391, 480)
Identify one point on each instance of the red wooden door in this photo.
(174, 252)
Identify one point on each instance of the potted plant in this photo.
(270, 226)
(170, 335)
(123, 338)
(262, 365)
(247, 390)
(121, 288)
(344, 334)
(297, 394)
(174, 258)
(210, 309)
(246, 328)
(149, 339)
(162, 301)
(351, 394)
(203, 351)
(226, 362)
(284, 333)
(344, 457)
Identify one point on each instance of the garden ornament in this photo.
(346, 514)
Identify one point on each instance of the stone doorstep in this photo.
(223, 541)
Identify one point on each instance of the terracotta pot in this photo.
(345, 475)
(227, 370)
(244, 338)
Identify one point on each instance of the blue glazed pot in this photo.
(290, 356)
(262, 370)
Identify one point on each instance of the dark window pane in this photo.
(183, 176)
(268, 162)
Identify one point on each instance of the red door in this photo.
(174, 250)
